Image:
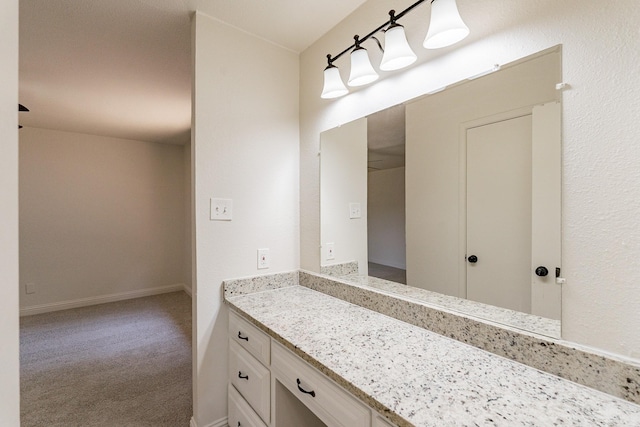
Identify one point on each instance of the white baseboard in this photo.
(223, 422)
(83, 302)
(187, 289)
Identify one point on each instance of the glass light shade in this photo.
(362, 71)
(333, 85)
(397, 52)
(446, 26)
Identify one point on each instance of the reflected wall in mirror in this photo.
(456, 193)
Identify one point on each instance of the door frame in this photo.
(462, 183)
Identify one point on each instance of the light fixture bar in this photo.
(368, 36)
(446, 28)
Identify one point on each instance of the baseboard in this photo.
(223, 422)
(187, 289)
(83, 302)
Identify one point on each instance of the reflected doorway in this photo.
(386, 217)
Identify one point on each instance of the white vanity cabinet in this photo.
(282, 390)
(328, 401)
(240, 412)
(249, 374)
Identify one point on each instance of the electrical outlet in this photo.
(30, 288)
(355, 211)
(221, 209)
(263, 258)
(331, 254)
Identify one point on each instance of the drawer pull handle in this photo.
(312, 393)
(238, 423)
(243, 377)
(241, 337)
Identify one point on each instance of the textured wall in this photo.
(98, 216)
(245, 142)
(9, 381)
(601, 177)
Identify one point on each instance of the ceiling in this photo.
(122, 68)
(386, 139)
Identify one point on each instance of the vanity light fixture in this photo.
(446, 28)
(333, 85)
(362, 71)
(397, 52)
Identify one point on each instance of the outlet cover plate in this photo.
(355, 211)
(263, 258)
(331, 251)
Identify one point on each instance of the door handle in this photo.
(472, 259)
(542, 271)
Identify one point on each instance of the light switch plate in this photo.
(221, 210)
(331, 251)
(263, 258)
(355, 211)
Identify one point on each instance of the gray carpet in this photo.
(388, 273)
(120, 364)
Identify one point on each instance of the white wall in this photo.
(386, 217)
(344, 181)
(9, 374)
(98, 216)
(601, 180)
(245, 138)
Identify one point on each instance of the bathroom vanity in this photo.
(299, 357)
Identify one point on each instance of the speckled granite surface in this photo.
(418, 378)
(503, 316)
(618, 377)
(250, 285)
(342, 269)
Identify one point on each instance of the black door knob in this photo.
(542, 271)
(472, 259)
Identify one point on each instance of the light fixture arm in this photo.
(392, 20)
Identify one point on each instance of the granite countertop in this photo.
(516, 319)
(419, 378)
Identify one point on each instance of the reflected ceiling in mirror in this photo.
(416, 209)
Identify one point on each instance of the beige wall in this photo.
(245, 139)
(99, 217)
(601, 178)
(9, 374)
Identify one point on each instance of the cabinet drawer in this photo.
(334, 406)
(240, 413)
(251, 379)
(249, 337)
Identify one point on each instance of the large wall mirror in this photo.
(454, 197)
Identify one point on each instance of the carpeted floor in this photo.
(388, 273)
(124, 364)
